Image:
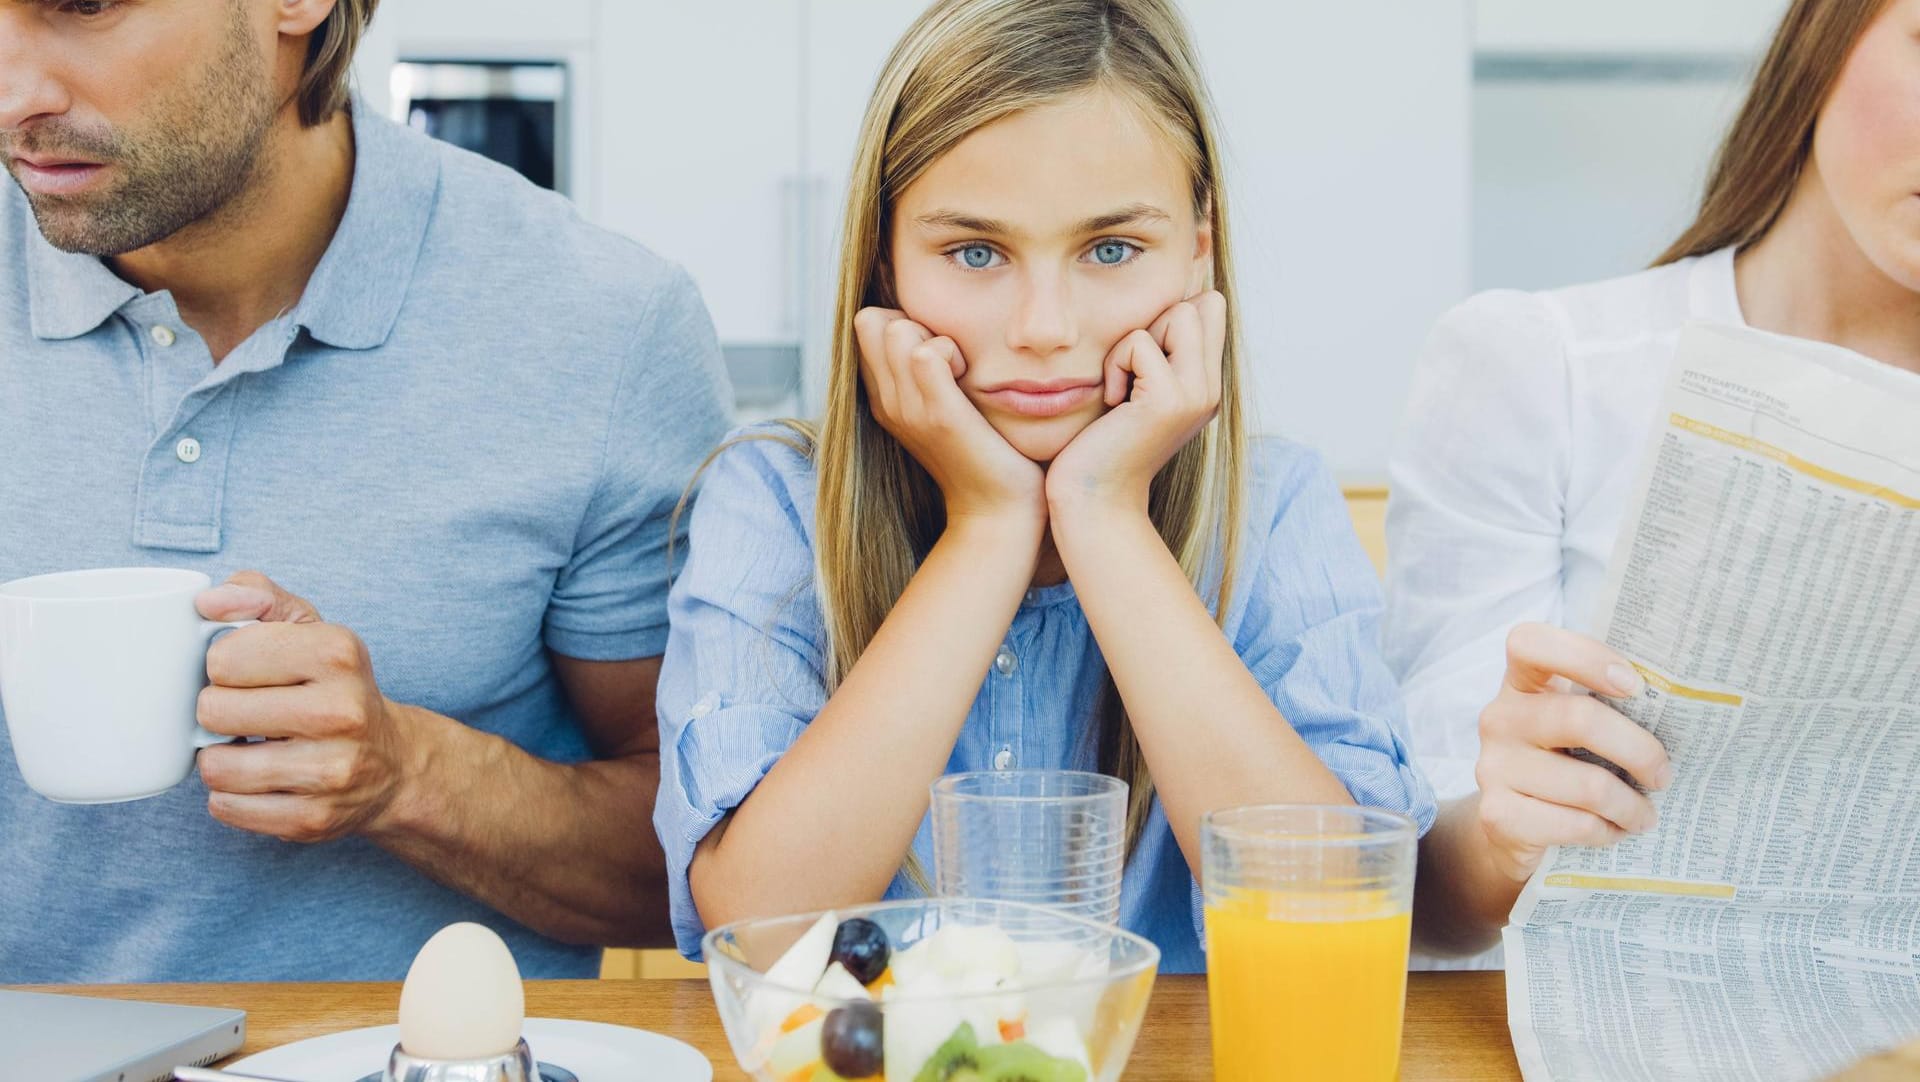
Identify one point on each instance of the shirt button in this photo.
(1004, 662)
(162, 335)
(187, 450)
(704, 707)
(1003, 759)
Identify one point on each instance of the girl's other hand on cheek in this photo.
(1163, 384)
(912, 380)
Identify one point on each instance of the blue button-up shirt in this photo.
(465, 442)
(744, 665)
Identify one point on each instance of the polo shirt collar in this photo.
(353, 298)
(69, 293)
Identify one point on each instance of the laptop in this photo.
(54, 1038)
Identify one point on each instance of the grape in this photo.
(850, 1041)
(861, 946)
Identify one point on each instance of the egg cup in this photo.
(515, 1066)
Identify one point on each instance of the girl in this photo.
(1528, 418)
(1006, 544)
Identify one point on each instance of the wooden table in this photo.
(1456, 1028)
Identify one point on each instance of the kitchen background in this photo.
(1387, 157)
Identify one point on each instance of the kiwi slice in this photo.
(1022, 1062)
(958, 1060)
(964, 1059)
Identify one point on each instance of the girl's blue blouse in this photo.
(743, 670)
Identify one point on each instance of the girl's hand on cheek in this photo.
(912, 385)
(1163, 385)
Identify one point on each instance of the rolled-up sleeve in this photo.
(743, 672)
(1309, 633)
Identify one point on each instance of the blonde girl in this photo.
(1030, 531)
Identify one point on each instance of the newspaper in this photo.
(1767, 584)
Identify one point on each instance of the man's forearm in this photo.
(568, 850)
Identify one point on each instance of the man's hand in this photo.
(335, 753)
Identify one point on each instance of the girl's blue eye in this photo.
(1112, 252)
(976, 256)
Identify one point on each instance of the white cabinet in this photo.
(847, 42)
(1594, 128)
(1578, 180)
(1715, 27)
(700, 116)
(1347, 138)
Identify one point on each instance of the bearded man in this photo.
(246, 323)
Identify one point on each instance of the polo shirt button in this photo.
(187, 450)
(1004, 662)
(1003, 760)
(162, 335)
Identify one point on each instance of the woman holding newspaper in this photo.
(1527, 420)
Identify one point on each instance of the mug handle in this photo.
(211, 630)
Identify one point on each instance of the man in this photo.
(244, 323)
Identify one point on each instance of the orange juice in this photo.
(1306, 1000)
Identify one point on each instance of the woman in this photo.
(1033, 436)
(1529, 416)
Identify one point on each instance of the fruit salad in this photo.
(966, 1003)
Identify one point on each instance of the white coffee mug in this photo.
(100, 676)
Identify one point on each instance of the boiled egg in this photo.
(463, 998)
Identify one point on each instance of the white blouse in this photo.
(1528, 419)
(1529, 415)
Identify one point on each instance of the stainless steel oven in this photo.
(515, 112)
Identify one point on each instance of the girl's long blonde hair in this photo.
(1767, 147)
(962, 65)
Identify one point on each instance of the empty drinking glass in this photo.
(1054, 838)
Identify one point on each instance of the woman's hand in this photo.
(912, 385)
(1532, 793)
(1163, 385)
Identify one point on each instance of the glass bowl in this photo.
(972, 991)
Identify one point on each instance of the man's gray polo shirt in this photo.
(465, 443)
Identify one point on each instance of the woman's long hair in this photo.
(1760, 162)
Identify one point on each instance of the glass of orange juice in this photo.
(1309, 910)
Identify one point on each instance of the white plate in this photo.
(595, 1051)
